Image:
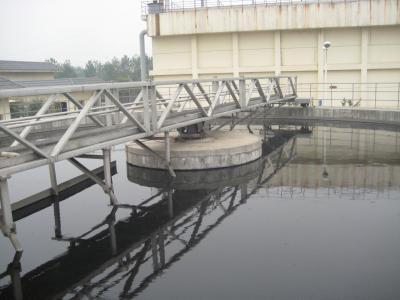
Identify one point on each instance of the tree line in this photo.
(123, 69)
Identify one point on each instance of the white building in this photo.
(278, 38)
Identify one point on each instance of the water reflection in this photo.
(176, 218)
(125, 256)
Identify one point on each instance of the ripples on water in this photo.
(317, 217)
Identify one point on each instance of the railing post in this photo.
(242, 93)
(376, 88)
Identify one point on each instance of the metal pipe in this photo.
(143, 62)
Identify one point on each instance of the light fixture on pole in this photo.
(327, 44)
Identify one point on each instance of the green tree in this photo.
(90, 69)
(66, 71)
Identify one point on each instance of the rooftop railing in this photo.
(160, 6)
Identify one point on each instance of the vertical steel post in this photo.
(107, 171)
(170, 204)
(14, 270)
(107, 167)
(113, 236)
(108, 115)
(7, 217)
(161, 247)
(167, 144)
(243, 193)
(242, 93)
(53, 178)
(153, 103)
(146, 109)
(56, 202)
(154, 253)
(376, 87)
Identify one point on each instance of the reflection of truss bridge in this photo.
(158, 233)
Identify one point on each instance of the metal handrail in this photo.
(160, 6)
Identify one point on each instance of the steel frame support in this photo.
(24, 133)
(96, 179)
(171, 103)
(56, 202)
(7, 224)
(23, 141)
(79, 106)
(107, 168)
(74, 126)
(170, 204)
(148, 149)
(6, 211)
(113, 99)
(242, 93)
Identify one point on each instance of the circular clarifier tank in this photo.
(218, 149)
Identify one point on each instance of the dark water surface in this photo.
(317, 217)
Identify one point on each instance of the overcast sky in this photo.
(77, 30)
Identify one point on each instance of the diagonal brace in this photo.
(167, 164)
(95, 178)
(23, 141)
(195, 100)
(233, 95)
(78, 105)
(75, 124)
(123, 109)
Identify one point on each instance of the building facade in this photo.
(261, 39)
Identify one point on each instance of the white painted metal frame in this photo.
(152, 111)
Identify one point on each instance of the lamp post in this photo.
(327, 44)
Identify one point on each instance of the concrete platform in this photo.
(217, 150)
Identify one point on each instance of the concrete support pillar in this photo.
(277, 52)
(321, 61)
(195, 64)
(7, 218)
(235, 54)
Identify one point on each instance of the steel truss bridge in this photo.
(160, 230)
(109, 118)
